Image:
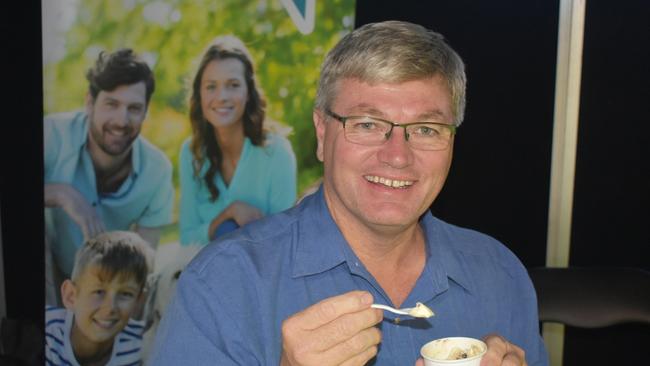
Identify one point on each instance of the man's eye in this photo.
(365, 125)
(426, 131)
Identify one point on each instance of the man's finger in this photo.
(96, 227)
(502, 352)
(85, 229)
(361, 347)
(362, 358)
(332, 308)
(512, 359)
(347, 326)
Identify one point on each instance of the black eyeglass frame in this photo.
(343, 119)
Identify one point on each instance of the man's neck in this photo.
(110, 171)
(395, 256)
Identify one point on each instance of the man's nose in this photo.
(123, 117)
(396, 151)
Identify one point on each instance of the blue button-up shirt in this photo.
(231, 300)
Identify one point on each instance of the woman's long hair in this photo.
(204, 146)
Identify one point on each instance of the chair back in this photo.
(592, 297)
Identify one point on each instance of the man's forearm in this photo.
(52, 194)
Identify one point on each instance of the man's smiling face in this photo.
(390, 184)
(115, 117)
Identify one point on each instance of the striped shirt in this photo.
(58, 348)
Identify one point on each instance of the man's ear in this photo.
(319, 125)
(90, 102)
(68, 294)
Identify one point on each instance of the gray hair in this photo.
(393, 52)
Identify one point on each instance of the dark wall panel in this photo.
(499, 182)
(21, 181)
(612, 198)
(612, 186)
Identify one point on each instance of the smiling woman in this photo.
(233, 169)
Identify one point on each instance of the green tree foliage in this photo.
(172, 34)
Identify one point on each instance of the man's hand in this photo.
(336, 331)
(502, 352)
(76, 206)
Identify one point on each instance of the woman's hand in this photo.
(243, 213)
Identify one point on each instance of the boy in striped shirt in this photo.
(105, 290)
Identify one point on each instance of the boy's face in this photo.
(101, 306)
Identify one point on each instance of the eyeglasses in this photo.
(372, 131)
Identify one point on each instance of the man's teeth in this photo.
(394, 183)
(118, 133)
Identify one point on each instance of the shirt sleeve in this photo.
(525, 324)
(192, 229)
(282, 190)
(159, 210)
(51, 147)
(196, 330)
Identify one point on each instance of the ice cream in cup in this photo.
(456, 351)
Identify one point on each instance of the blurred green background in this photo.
(171, 36)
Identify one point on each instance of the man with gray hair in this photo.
(297, 288)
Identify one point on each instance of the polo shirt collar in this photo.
(136, 156)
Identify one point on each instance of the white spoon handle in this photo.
(388, 308)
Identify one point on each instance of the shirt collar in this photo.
(444, 260)
(321, 246)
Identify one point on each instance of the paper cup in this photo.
(456, 351)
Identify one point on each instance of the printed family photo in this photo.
(167, 125)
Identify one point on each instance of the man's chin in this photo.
(116, 149)
(391, 218)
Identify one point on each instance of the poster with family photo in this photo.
(166, 125)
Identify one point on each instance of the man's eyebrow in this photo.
(367, 109)
(110, 99)
(372, 111)
(118, 100)
(435, 114)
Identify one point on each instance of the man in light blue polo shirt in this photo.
(100, 174)
(296, 288)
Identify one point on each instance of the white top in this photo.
(58, 348)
